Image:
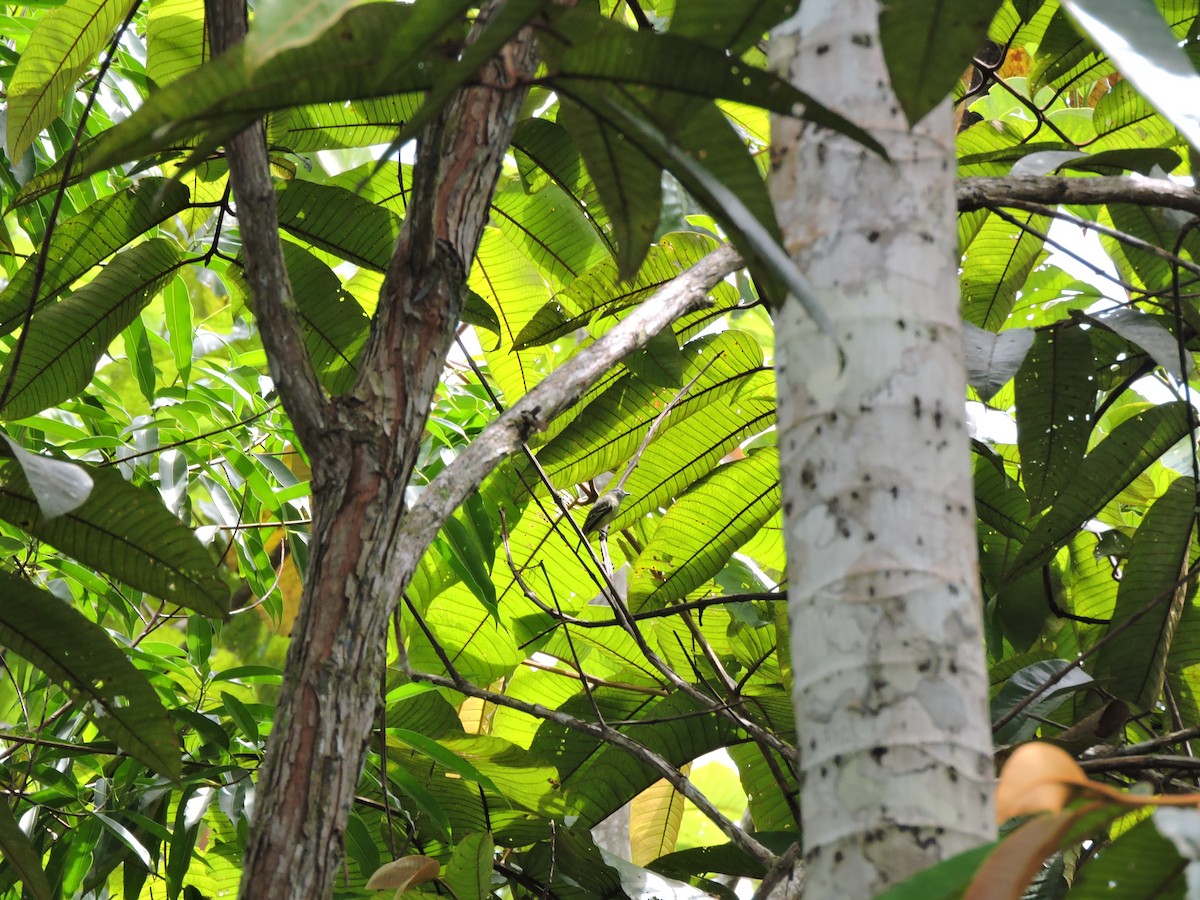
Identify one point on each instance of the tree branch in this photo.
(278, 319)
(561, 388)
(980, 193)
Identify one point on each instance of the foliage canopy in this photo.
(154, 508)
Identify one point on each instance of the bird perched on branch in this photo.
(603, 511)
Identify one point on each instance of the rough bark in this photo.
(890, 686)
(362, 449)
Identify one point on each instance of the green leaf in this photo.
(126, 532)
(1139, 864)
(1148, 332)
(671, 62)
(286, 24)
(601, 289)
(733, 27)
(88, 237)
(1105, 472)
(469, 872)
(487, 38)
(1135, 37)
(997, 265)
(175, 40)
(1134, 666)
(140, 357)
(628, 181)
(927, 45)
(1023, 683)
(19, 853)
(335, 326)
(241, 716)
(65, 340)
(659, 362)
(334, 126)
(80, 655)
(607, 432)
(339, 221)
(703, 529)
(60, 48)
(177, 304)
(546, 153)
(466, 557)
(349, 62)
(1056, 396)
(756, 238)
(443, 757)
(422, 800)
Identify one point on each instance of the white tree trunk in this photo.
(886, 619)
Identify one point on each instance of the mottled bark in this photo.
(890, 686)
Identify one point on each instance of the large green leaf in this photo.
(546, 146)
(927, 44)
(1056, 396)
(1105, 472)
(732, 26)
(284, 24)
(612, 426)
(1136, 38)
(334, 324)
(175, 39)
(78, 654)
(694, 447)
(996, 266)
(702, 530)
(60, 48)
(545, 227)
(469, 872)
(349, 62)
(339, 221)
(1133, 666)
(671, 62)
(599, 778)
(627, 180)
(333, 126)
(126, 532)
(65, 340)
(88, 237)
(602, 290)
(1140, 864)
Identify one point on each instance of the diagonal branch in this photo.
(557, 392)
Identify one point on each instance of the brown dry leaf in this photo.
(1037, 778)
(403, 873)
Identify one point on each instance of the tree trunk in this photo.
(886, 618)
(362, 449)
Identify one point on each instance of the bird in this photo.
(603, 511)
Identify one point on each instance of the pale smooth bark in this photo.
(886, 618)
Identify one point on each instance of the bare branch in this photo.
(979, 193)
(558, 391)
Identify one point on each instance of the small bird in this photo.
(603, 511)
